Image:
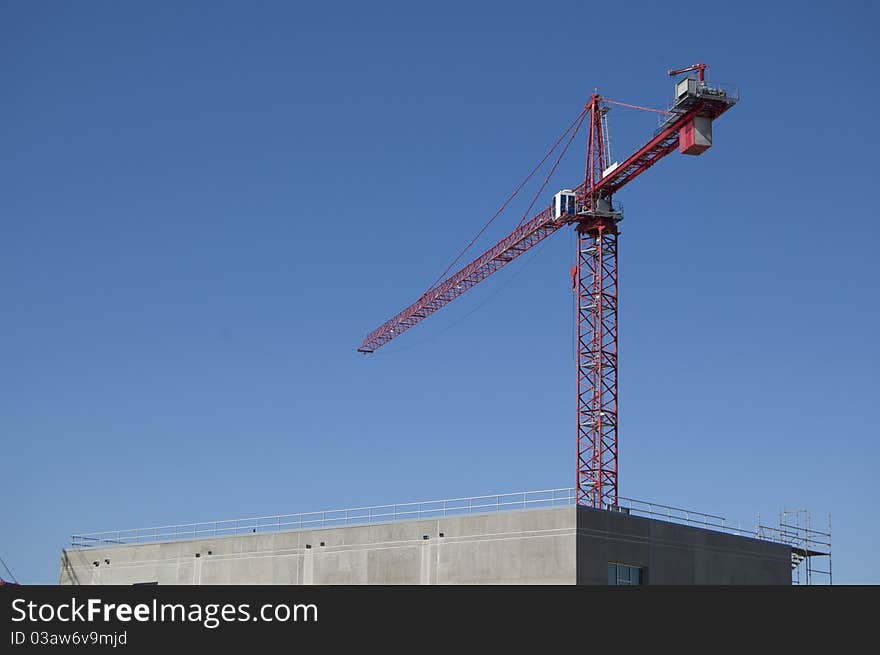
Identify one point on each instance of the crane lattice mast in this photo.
(590, 209)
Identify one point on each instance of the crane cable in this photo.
(483, 303)
(11, 577)
(580, 122)
(624, 104)
(576, 122)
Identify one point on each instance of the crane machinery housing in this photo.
(591, 210)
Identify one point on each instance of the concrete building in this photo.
(548, 545)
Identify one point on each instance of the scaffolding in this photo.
(811, 555)
(810, 548)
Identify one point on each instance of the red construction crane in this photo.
(589, 208)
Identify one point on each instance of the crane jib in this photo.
(537, 229)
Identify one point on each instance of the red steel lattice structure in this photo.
(596, 289)
(597, 363)
(595, 279)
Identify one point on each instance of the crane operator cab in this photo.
(563, 204)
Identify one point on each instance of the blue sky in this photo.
(205, 206)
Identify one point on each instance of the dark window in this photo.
(144, 584)
(624, 574)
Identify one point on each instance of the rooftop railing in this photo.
(434, 509)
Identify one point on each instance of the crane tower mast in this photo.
(590, 209)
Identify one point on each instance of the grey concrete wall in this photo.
(564, 545)
(524, 547)
(673, 554)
